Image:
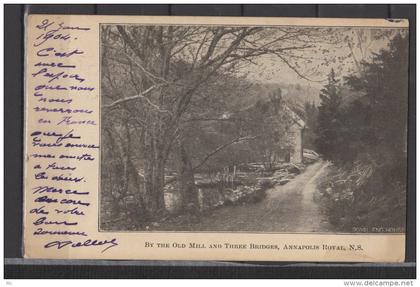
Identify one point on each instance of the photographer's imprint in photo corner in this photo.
(231, 138)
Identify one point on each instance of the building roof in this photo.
(295, 117)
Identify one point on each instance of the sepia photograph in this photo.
(260, 129)
(210, 140)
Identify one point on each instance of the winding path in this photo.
(287, 208)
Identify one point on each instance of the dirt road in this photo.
(287, 208)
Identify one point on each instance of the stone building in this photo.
(296, 135)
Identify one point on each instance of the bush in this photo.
(362, 196)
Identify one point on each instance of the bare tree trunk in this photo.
(154, 196)
(115, 172)
(125, 149)
(154, 180)
(187, 187)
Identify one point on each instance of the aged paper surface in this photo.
(115, 169)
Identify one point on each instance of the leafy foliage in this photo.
(329, 122)
(366, 139)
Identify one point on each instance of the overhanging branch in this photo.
(219, 148)
(139, 96)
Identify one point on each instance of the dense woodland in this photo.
(365, 136)
(178, 104)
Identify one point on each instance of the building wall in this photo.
(296, 155)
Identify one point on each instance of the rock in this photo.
(250, 198)
(265, 182)
(290, 176)
(245, 194)
(280, 174)
(283, 181)
(294, 169)
(310, 156)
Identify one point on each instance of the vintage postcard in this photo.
(215, 138)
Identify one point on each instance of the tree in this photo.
(370, 186)
(269, 121)
(157, 78)
(311, 121)
(383, 85)
(329, 124)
